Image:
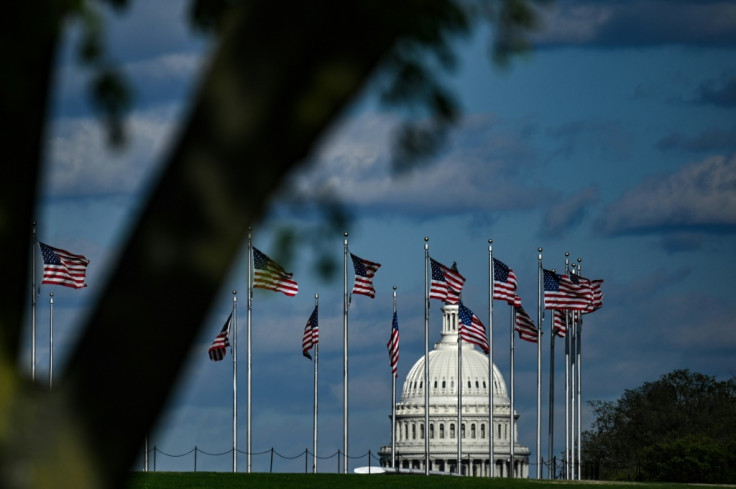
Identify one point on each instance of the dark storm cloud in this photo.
(680, 242)
(607, 138)
(565, 215)
(712, 140)
(720, 93)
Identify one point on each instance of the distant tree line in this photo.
(680, 428)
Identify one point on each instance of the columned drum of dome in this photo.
(443, 430)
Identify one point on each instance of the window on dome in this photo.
(476, 385)
(482, 431)
(472, 430)
(442, 430)
(484, 384)
(452, 384)
(470, 385)
(452, 430)
(435, 384)
(462, 430)
(421, 431)
(499, 431)
(431, 431)
(413, 432)
(421, 384)
(444, 384)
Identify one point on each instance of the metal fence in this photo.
(201, 460)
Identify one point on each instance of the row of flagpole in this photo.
(502, 285)
(67, 269)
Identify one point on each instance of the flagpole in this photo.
(551, 424)
(573, 363)
(234, 348)
(491, 278)
(345, 356)
(426, 354)
(393, 400)
(567, 381)
(459, 401)
(33, 304)
(511, 397)
(539, 365)
(51, 340)
(580, 380)
(249, 317)
(316, 376)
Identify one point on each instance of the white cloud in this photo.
(165, 67)
(80, 161)
(649, 22)
(574, 24)
(702, 195)
(479, 170)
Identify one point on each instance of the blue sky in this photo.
(614, 139)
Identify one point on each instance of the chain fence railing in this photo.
(276, 462)
(272, 461)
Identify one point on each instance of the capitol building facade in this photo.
(474, 430)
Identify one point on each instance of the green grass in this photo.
(224, 480)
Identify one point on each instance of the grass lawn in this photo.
(225, 480)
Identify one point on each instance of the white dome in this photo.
(449, 432)
(443, 376)
(443, 363)
(447, 429)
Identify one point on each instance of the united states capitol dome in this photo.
(473, 429)
(443, 363)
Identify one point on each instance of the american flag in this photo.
(471, 329)
(393, 346)
(364, 272)
(559, 326)
(525, 326)
(560, 292)
(218, 349)
(504, 282)
(269, 275)
(596, 301)
(63, 268)
(311, 333)
(446, 283)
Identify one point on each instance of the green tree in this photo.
(278, 77)
(680, 428)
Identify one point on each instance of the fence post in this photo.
(154, 458)
(338, 461)
(369, 461)
(195, 458)
(306, 460)
(270, 470)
